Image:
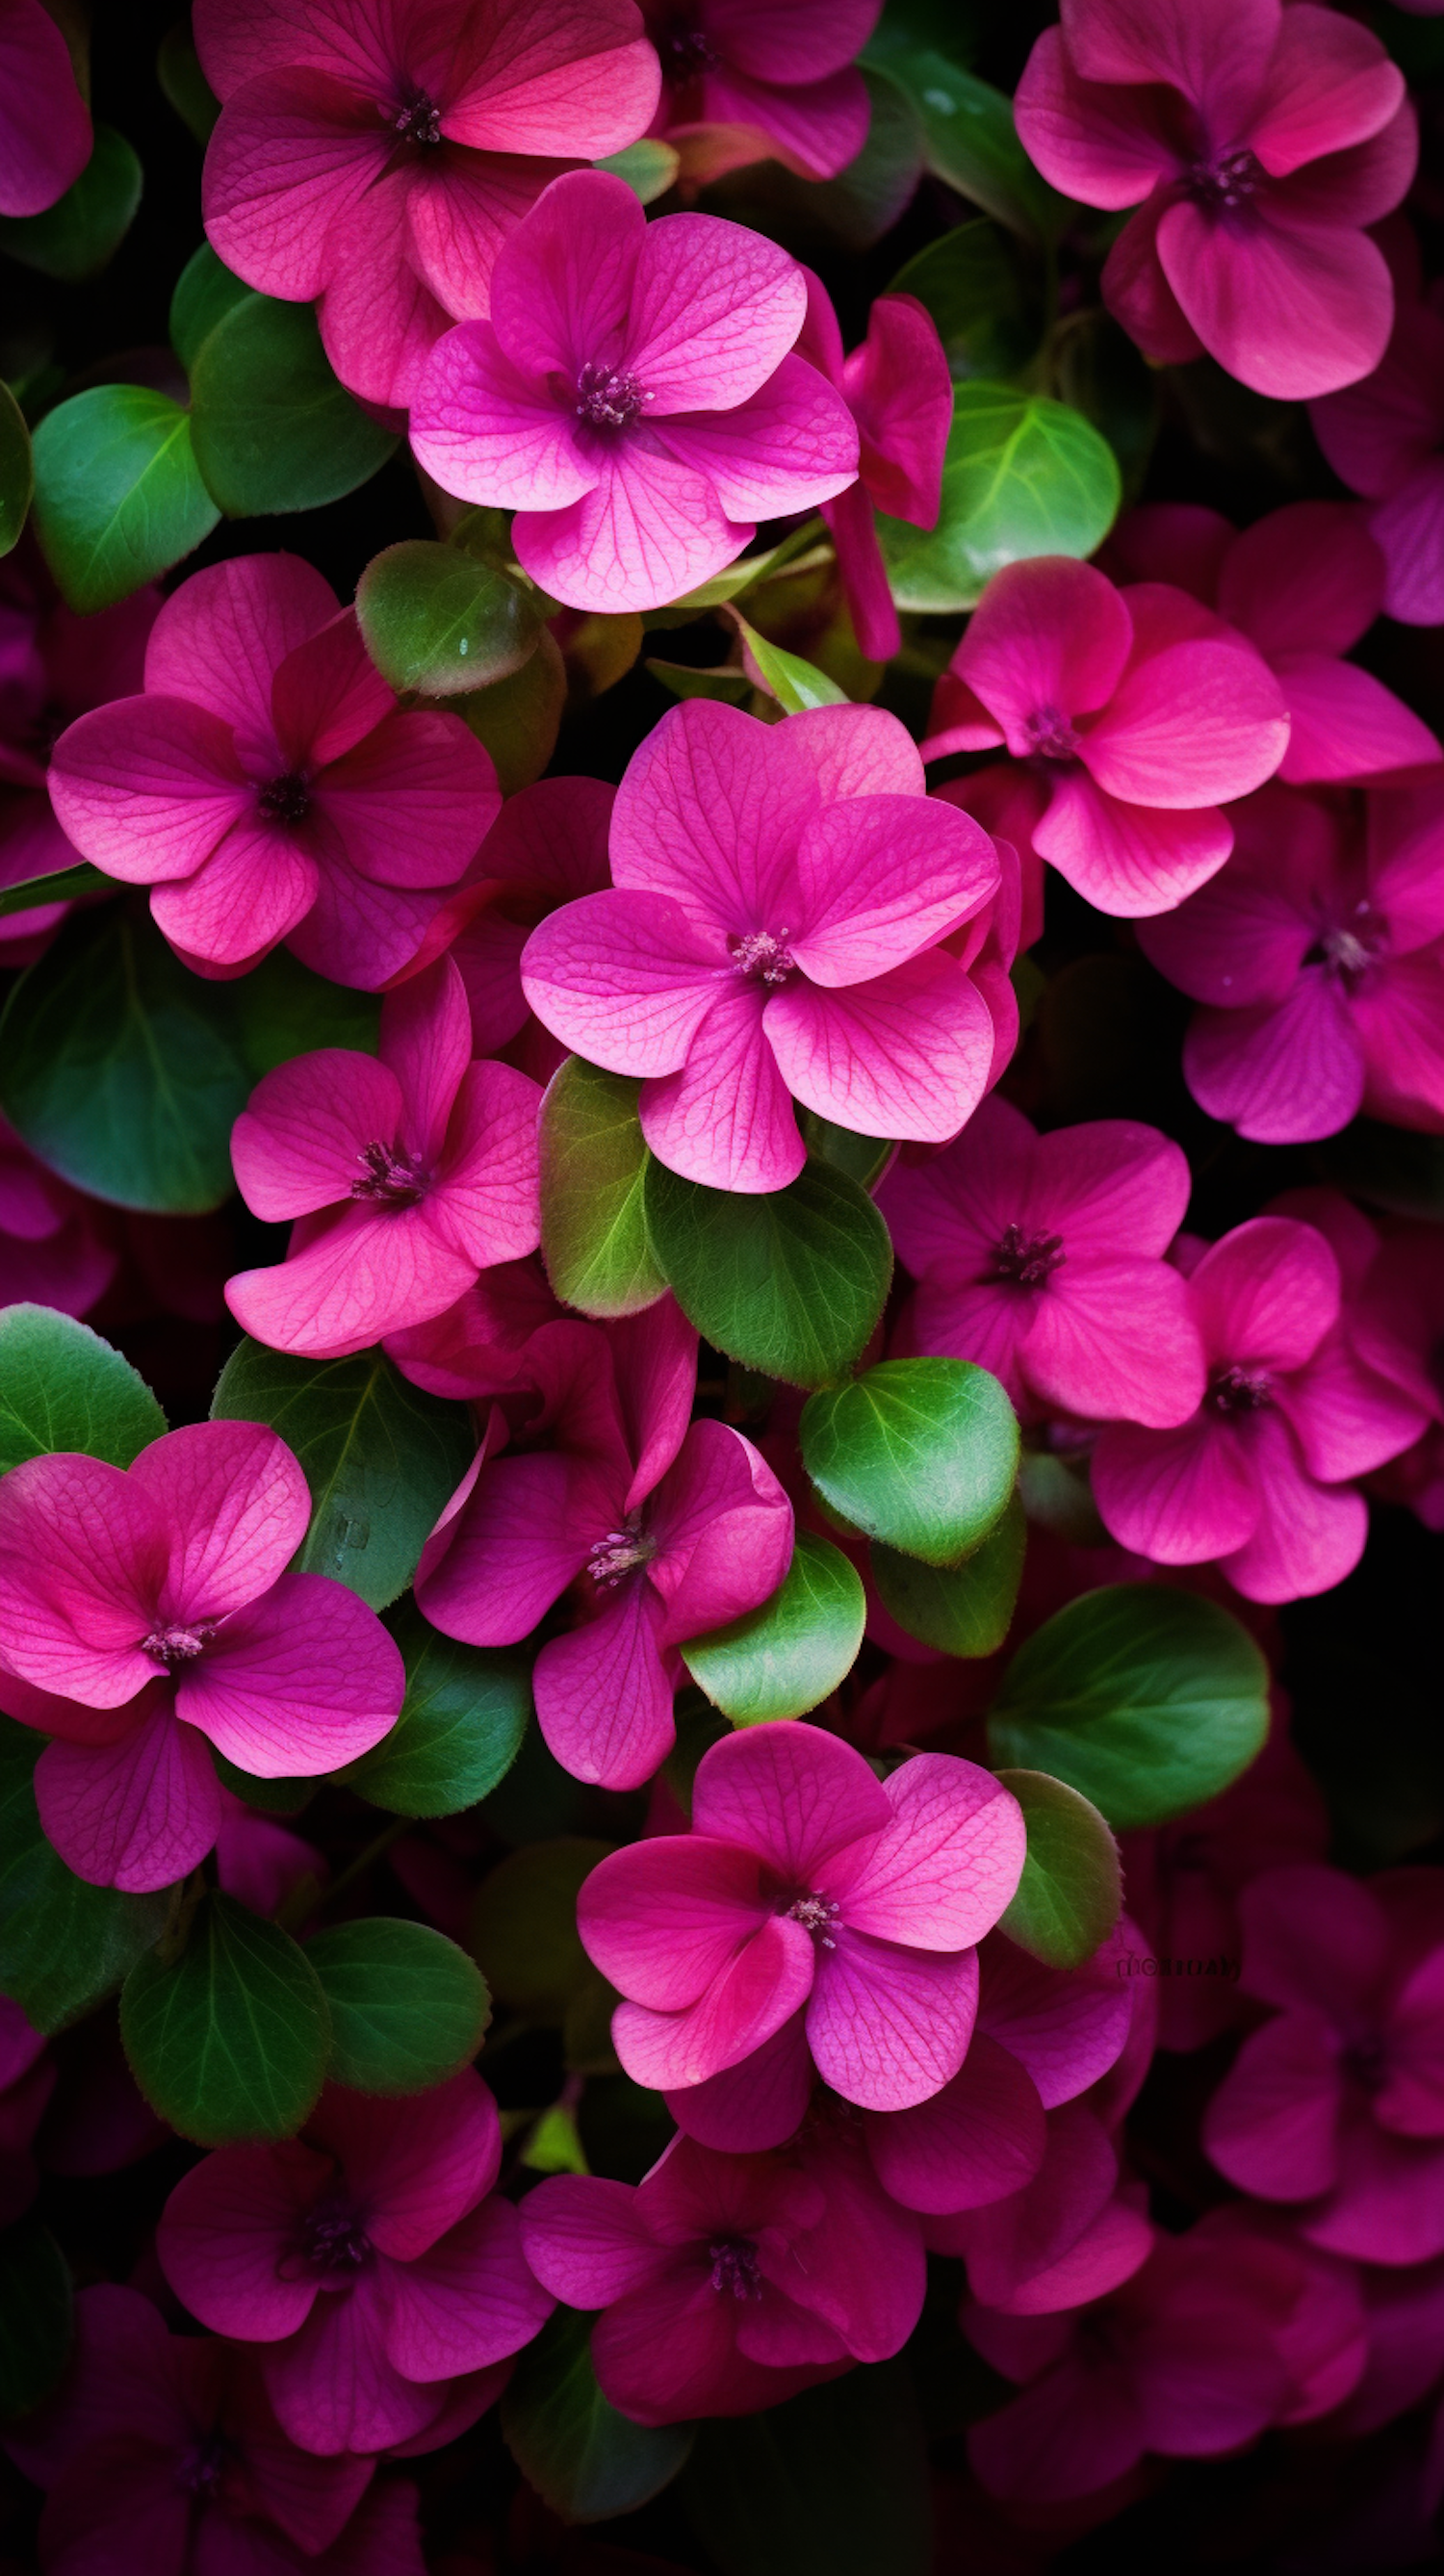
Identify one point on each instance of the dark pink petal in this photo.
(958, 719)
(357, 43)
(288, 167)
(1074, 2431)
(987, 1324)
(888, 2026)
(460, 216)
(257, 885)
(625, 978)
(790, 44)
(654, 1366)
(669, 2352)
(981, 2137)
(1068, 2028)
(1409, 527)
(1281, 1074)
(1271, 2126)
(767, 1982)
(1330, 84)
(359, 933)
(901, 394)
(881, 877)
(1411, 2100)
(124, 2385)
(1208, 2371)
(942, 1872)
(327, 695)
(1243, 937)
(726, 1118)
(1388, 2206)
(517, 1547)
(1292, 314)
(815, 128)
(147, 787)
(664, 1917)
(906, 1055)
(379, 318)
(1049, 637)
(45, 134)
(300, 1682)
(1403, 827)
(776, 2331)
(792, 1794)
(1308, 1536)
(1106, 145)
(603, 1700)
(760, 2103)
(413, 802)
(416, 2165)
(1137, 293)
(853, 529)
(1267, 1293)
(1116, 1340)
(587, 2242)
(788, 446)
(1129, 860)
(714, 308)
(225, 2230)
(1346, 1418)
(1038, 2225)
(298, 1144)
(863, 2260)
(1307, 579)
(1115, 2245)
(551, 838)
(1400, 1023)
(1217, 52)
(1379, 434)
(485, 1199)
(487, 954)
(331, 2384)
(723, 1528)
(488, 433)
(1107, 1186)
(947, 1214)
(355, 1278)
(467, 2301)
(1344, 723)
(222, 636)
(1178, 1496)
(139, 1813)
(1184, 543)
(650, 530)
(83, 1553)
(237, 1506)
(1197, 724)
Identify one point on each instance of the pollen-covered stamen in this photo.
(391, 1178)
(1051, 736)
(815, 1913)
(178, 1645)
(609, 397)
(1239, 1390)
(333, 2238)
(286, 799)
(1026, 1260)
(418, 122)
(1226, 181)
(620, 1553)
(1352, 948)
(735, 2266)
(762, 957)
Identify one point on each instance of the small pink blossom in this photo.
(742, 81)
(1069, 2234)
(53, 1250)
(632, 397)
(779, 895)
(1041, 1258)
(1258, 141)
(45, 132)
(1140, 712)
(267, 786)
(370, 2259)
(379, 158)
(407, 1172)
(1384, 439)
(147, 1615)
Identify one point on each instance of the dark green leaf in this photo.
(63, 1943)
(205, 292)
(863, 1158)
(460, 1728)
(118, 493)
(1101, 373)
(794, 683)
(1148, 1700)
(17, 474)
(593, 1172)
(36, 2316)
(968, 135)
(84, 228)
(1071, 1890)
(62, 1387)
(1023, 476)
(584, 2459)
(407, 2007)
(649, 167)
(834, 2483)
(524, 1925)
(382, 1458)
(518, 719)
(274, 427)
(791, 1283)
(971, 282)
(438, 620)
(283, 1797)
(963, 1609)
(61, 886)
(177, 67)
(921, 1453)
(784, 1657)
(229, 2041)
(281, 1009)
(732, 688)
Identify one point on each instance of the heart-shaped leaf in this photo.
(963, 1609)
(118, 493)
(84, 228)
(229, 2041)
(583, 2459)
(62, 1387)
(782, 1658)
(921, 1453)
(274, 427)
(460, 1728)
(1023, 476)
(790, 1283)
(438, 621)
(1071, 1891)
(407, 2006)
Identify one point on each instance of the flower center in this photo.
(286, 799)
(1026, 1260)
(419, 122)
(201, 2468)
(1349, 952)
(1050, 735)
(333, 2238)
(814, 1913)
(178, 1645)
(735, 2267)
(1225, 181)
(388, 1177)
(620, 1553)
(609, 397)
(1239, 1390)
(761, 958)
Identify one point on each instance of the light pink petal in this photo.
(1281, 1074)
(469, 2300)
(1178, 1496)
(1197, 724)
(789, 446)
(625, 978)
(297, 1684)
(542, 81)
(1306, 579)
(1104, 145)
(881, 877)
(1330, 84)
(237, 1506)
(1116, 1340)
(726, 1117)
(1272, 2125)
(980, 2138)
(298, 1144)
(947, 1865)
(426, 1043)
(222, 636)
(650, 529)
(140, 1813)
(1308, 1536)
(907, 1055)
(83, 1553)
(853, 529)
(287, 170)
(147, 787)
(514, 1552)
(1109, 1186)
(355, 1278)
(714, 309)
(723, 1528)
(490, 434)
(460, 217)
(1267, 1293)
(766, 1983)
(603, 1700)
(485, 1200)
(586, 2241)
(327, 695)
(359, 933)
(793, 1794)
(223, 2230)
(412, 803)
(664, 1917)
(1292, 314)
(987, 1324)
(888, 2026)
(562, 284)
(1050, 637)
(1346, 1418)
(45, 132)
(901, 395)
(379, 319)
(258, 884)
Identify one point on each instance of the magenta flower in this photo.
(806, 1881)
(1041, 1258)
(147, 1615)
(267, 786)
(547, 846)
(1258, 144)
(632, 397)
(1336, 2101)
(743, 82)
(407, 1172)
(52, 1249)
(780, 891)
(665, 1532)
(380, 160)
(45, 134)
(1069, 2234)
(370, 2258)
(1383, 438)
(1318, 955)
(1255, 1477)
(726, 2283)
(1140, 711)
(898, 387)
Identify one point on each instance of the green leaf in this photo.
(922, 1454)
(460, 1728)
(989, 320)
(62, 1387)
(1023, 476)
(649, 167)
(37, 2316)
(963, 1609)
(63, 1943)
(583, 2459)
(61, 886)
(518, 719)
(1148, 1700)
(381, 1457)
(523, 1928)
(730, 688)
(229, 2041)
(205, 292)
(791, 1283)
(1101, 373)
(969, 138)
(437, 620)
(407, 2006)
(784, 1657)
(274, 428)
(178, 70)
(834, 2483)
(281, 1009)
(118, 493)
(593, 1175)
(863, 1158)
(1071, 1891)
(17, 472)
(84, 228)
(794, 683)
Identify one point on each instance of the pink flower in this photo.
(1337, 2100)
(1303, 584)
(899, 390)
(268, 787)
(1140, 711)
(780, 891)
(1397, 1326)
(1383, 438)
(632, 397)
(743, 82)
(408, 1172)
(728, 2282)
(1256, 1476)
(45, 134)
(370, 2258)
(478, 1347)
(1318, 954)
(806, 1881)
(665, 1532)
(162, 2447)
(52, 1249)
(547, 846)
(1041, 1258)
(1067, 2235)
(380, 160)
(147, 1615)
(1258, 141)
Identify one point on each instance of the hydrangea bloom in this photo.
(369, 2258)
(268, 787)
(52, 1249)
(1041, 1258)
(1318, 956)
(806, 1881)
(779, 891)
(632, 397)
(1141, 711)
(746, 83)
(147, 1615)
(45, 133)
(379, 158)
(1384, 439)
(1257, 141)
(407, 1172)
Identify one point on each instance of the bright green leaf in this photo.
(834, 2483)
(118, 494)
(963, 1609)
(37, 2317)
(791, 1282)
(460, 1728)
(593, 1174)
(1023, 476)
(583, 2459)
(17, 473)
(63, 1943)
(438, 620)
(229, 2041)
(62, 1387)
(523, 1926)
(205, 292)
(84, 228)
(784, 1657)
(1071, 1891)
(274, 428)
(794, 683)
(920, 1453)
(178, 70)
(989, 320)
(407, 2006)
(649, 167)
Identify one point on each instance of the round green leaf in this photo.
(37, 2317)
(460, 1728)
(84, 228)
(863, 1158)
(524, 1925)
(517, 720)
(229, 2041)
(1023, 476)
(17, 474)
(922, 1454)
(63, 1943)
(784, 1657)
(1071, 1891)
(583, 2459)
(593, 1173)
(118, 493)
(62, 1387)
(1148, 1700)
(205, 292)
(438, 621)
(274, 428)
(178, 70)
(963, 1609)
(407, 2006)
(791, 1283)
